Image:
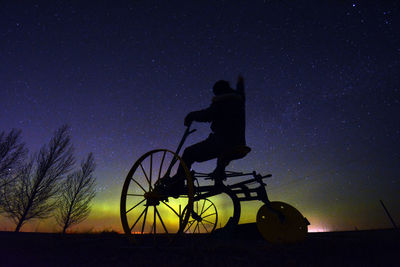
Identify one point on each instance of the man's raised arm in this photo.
(240, 86)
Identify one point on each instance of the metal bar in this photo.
(185, 135)
(242, 183)
(240, 190)
(208, 191)
(206, 195)
(228, 174)
(238, 174)
(201, 173)
(201, 176)
(233, 172)
(388, 214)
(248, 198)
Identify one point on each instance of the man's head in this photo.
(222, 87)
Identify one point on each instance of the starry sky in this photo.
(322, 89)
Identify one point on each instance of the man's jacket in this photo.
(227, 116)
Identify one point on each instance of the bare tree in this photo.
(12, 152)
(77, 191)
(31, 193)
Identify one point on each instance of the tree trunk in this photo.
(66, 225)
(65, 228)
(19, 225)
(22, 219)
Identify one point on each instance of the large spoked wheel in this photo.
(281, 223)
(145, 209)
(203, 218)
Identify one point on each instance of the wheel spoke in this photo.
(204, 227)
(196, 227)
(135, 195)
(208, 221)
(170, 208)
(144, 220)
(162, 222)
(206, 209)
(202, 208)
(209, 215)
(138, 219)
(138, 184)
(135, 205)
(191, 224)
(162, 162)
(138, 197)
(145, 175)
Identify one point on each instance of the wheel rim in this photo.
(203, 219)
(144, 210)
(290, 228)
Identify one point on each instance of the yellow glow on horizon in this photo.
(100, 209)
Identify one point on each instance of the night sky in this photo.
(322, 86)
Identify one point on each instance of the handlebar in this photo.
(185, 135)
(188, 131)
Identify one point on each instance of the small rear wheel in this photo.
(280, 222)
(203, 218)
(146, 210)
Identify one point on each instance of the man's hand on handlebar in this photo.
(188, 119)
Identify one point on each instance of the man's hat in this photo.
(222, 87)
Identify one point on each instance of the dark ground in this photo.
(241, 248)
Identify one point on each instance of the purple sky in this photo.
(322, 89)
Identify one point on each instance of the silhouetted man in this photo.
(227, 117)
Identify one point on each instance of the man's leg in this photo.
(202, 151)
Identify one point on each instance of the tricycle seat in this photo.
(237, 152)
